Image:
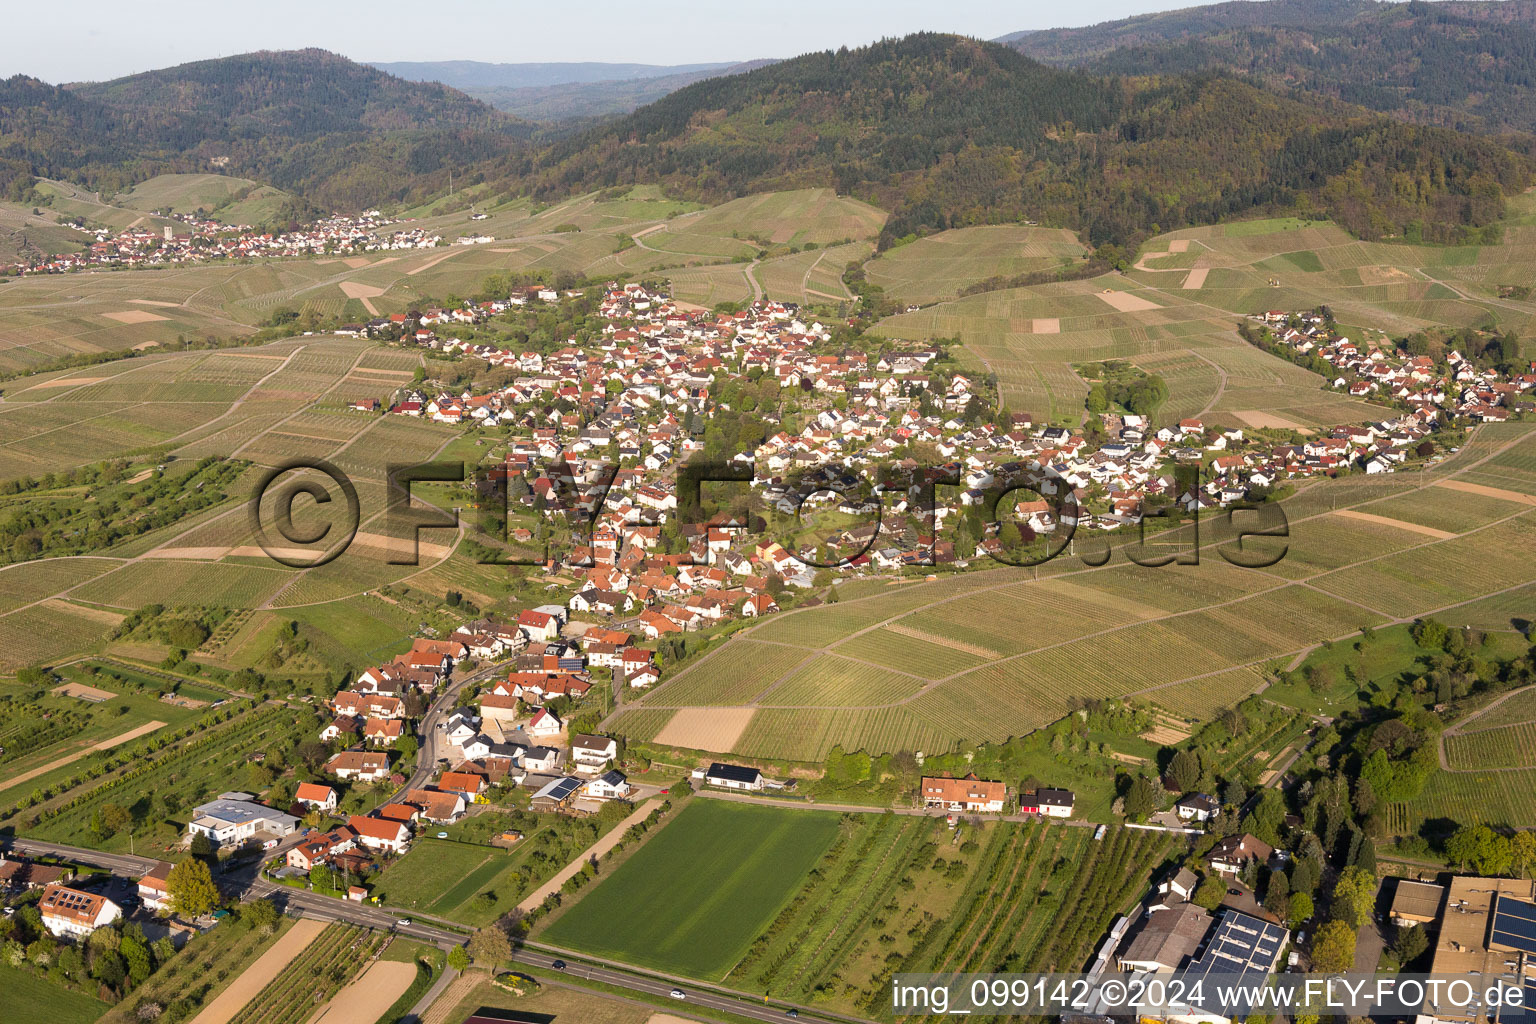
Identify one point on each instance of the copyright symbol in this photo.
(1113, 993)
(274, 500)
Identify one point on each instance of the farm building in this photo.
(26, 874)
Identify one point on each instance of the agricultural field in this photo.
(929, 665)
(812, 277)
(208, 965)
(695, 895)
(50, 1000)
(1011, 915)
(1175, 312)
(936, 267)
(312, 977)
(185, 770)
(186, 193)
(1498, 798)
(46, 739)
(21, 231)
(450, 879)
(1508, 746)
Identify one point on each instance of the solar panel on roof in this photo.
(1514, 923)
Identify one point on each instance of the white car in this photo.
(678, 993)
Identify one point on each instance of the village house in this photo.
(378, 834)
(1233, 854)
(1052, 803)
(359, 765)
(74, 913)
(593, 753)
(967, 794)
(312, 794)
(732, 776)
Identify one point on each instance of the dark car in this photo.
(791, 1013)
(558, 965)
(1234, 892)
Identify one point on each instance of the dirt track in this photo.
(131, 734)
(255, 977)
(370, 994)
(597, 849)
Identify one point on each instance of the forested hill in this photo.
(1466, 65)
(301, 93)
(342, 134)
(948, 131)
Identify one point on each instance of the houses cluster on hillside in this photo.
(601, 427)
(508, 734)
(1416, 382)
(198, 241)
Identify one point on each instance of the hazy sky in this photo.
(108, 38)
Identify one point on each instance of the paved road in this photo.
(118, 863)
(658, 984)
(433, 744)
(328, 908)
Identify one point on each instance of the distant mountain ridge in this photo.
(565, 92)
(296, 92)
(469, 75)
(312, 122)
(1465, 64)
(946, 131)
(587, 100)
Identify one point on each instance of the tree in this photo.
(1353, 896)
(1210, 892)
(1139, 798)
(1333, 948)
(1184, 770)
(1299, 909)
(1277, 892)
(262, 915)
(457, 958)
(1522, 849)
(191, 889)
(202, 846)
(490, 946)
(115, 817)
(1480, 846)
(1409, 943)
